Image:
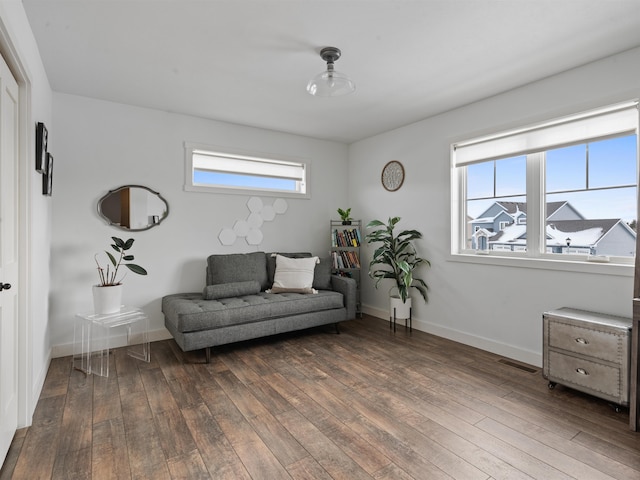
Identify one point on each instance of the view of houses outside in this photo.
(590, 200)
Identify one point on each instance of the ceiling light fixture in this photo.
(330, 83)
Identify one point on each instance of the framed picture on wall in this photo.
(47, 176)
(41, 147)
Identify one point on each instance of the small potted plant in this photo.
(396, 259)
(107, 294)
(345, 216)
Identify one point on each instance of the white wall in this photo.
(102, 145)
(494, 307)
(21, 53)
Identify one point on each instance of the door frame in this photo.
(26, 149)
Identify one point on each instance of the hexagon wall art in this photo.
(249, 228)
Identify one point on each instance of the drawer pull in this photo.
(582, 341)
(582, 371)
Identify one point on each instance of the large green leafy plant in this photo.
(109, 276)
(396, 258)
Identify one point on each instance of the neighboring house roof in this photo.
(513, 207)
(581, 232)
(483, 220)
(501, 213)
(553, 207)
(510, 234)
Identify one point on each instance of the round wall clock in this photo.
(392, 175)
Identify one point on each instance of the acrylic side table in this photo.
(93, 334)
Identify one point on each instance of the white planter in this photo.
(402, 310)
(107, 299)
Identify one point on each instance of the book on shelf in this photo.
(345, 237)
(353, 259)
(336, 260)
(345, 259)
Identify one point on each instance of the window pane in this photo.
(566, 168)
(598, 221)
(203, 177)
(612, 162)
(507, 175)
(511, 176)
(480, 180)
(496, 220)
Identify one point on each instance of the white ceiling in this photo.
(248, 62)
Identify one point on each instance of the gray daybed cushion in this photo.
(238, 267)
(189, 312)
(322, 275)
(233, 289)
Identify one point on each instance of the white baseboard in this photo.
(503, 349)
(36, 390)
(493, 346)
(116, 342)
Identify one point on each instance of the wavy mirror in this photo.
(133, 208)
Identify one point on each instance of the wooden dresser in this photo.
(588, 351)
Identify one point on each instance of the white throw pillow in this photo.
(294, 274)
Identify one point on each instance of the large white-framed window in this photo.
(563, 190)
(221, 170)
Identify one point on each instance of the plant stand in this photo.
(392, 321)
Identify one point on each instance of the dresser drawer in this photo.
(605, 381)
(593, 341)
(587, 351)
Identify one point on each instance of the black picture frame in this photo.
(47, 176)
(42, 138)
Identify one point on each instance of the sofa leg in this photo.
(337, 328)
(207, 353)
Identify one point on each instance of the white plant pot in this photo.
(107, 299)
(402, 310)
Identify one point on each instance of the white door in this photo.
(8, 258)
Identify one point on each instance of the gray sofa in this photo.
(236, 303)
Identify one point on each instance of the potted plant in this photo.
(396, 259)
(345, 216)
(107, 294)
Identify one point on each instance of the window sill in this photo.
(580, 266)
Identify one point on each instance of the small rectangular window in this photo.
(210, 169)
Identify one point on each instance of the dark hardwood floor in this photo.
(364, 404)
